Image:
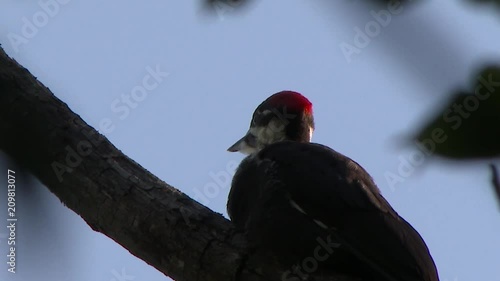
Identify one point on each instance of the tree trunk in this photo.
(116, 196)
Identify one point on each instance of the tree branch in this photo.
(115, 195)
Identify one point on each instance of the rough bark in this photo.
(115, 195)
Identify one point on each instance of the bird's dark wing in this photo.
(335, 193)
(243, 193)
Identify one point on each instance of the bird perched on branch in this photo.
(315, 208)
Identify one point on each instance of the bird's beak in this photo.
(245, 145)
(237, 146)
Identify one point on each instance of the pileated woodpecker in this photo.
(314, 207)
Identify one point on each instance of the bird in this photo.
(315, 208)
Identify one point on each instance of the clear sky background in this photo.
(221, 65)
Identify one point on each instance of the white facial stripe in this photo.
(296, 206)
(320, 223)
(273, 132)
(311, 130)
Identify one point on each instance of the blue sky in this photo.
(94, 54)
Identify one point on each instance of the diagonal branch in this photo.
(115, 195)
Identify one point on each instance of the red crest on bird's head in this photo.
(294, 101)
(286, 115)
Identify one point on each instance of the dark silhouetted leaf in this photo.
(491, 2)
(469, 125)
(222, 8)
